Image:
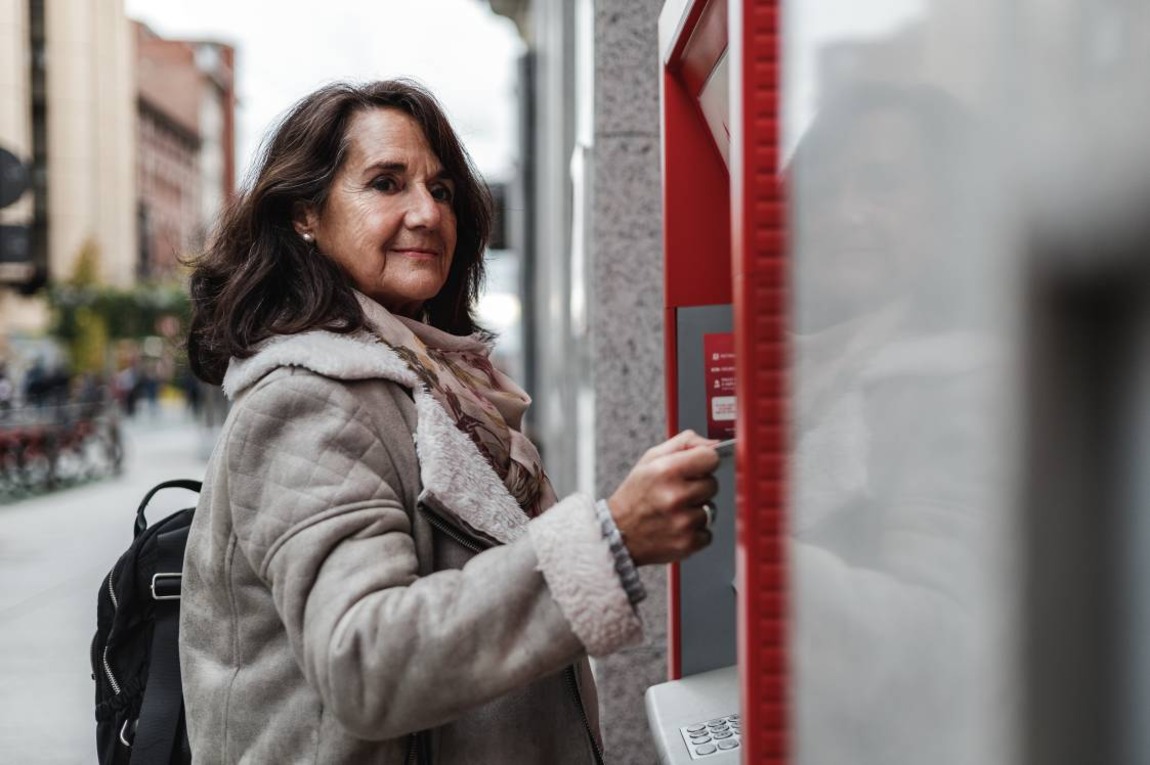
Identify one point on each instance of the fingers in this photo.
(697, 518)
(701, 534)
(691, 439)
(659, 506)
(703, 538)
(690, 533)
(694, 462)
(685, 480)
(700, 490)
(672, 490)
(709, 510)
(686, 439)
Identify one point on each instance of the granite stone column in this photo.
(625, 242)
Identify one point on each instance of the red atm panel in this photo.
(758, 226)
(696, 211)
(724, 229)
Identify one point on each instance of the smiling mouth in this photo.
(417, 253)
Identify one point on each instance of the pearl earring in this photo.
(309, 238)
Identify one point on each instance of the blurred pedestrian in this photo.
(36, 383)
(127, 389)
(89, 394)
(193, 394)
(7, 392)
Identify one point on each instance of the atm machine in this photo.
(724, 701)
(959, 306)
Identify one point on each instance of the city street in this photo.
(54, 553)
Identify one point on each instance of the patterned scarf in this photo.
(483, 402)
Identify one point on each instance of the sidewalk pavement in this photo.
(54, 553)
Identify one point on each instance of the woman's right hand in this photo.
(659, 506)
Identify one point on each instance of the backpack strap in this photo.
(163, 695)
(179, 483)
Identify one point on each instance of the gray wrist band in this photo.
(624, 566)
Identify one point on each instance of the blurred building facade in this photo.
(186, 159)
(126, 141)
(15, 136)
(68, 106)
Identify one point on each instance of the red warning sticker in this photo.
(719, 355)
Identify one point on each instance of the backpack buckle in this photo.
(169, 586)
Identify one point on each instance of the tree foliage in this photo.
(132, 313)
(88, 314)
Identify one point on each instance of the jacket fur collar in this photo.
(457, 479)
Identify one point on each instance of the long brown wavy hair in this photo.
(258, 278)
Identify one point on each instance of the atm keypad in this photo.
(708, 737)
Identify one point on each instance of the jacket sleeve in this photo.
(317, 514)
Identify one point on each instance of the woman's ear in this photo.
(304, 220)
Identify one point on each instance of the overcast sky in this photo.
(459, 48)
(286, 49)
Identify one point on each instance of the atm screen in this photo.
(714, 101)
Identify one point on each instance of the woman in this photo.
(379, 570)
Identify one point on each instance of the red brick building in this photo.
(186, 154)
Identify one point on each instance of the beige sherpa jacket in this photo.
(356, 573)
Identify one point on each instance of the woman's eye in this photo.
(384, 184)
(442, 193)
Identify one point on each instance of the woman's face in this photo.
(388, 220)
(864, 216)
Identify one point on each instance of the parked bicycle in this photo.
(43, 448)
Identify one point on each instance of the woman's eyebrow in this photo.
(384, 166)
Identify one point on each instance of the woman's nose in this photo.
(423, 209)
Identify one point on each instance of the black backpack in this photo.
(135, 653)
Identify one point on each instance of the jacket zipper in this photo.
(446, 529)
(112, 590)
(104, 657)
(573, 684)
